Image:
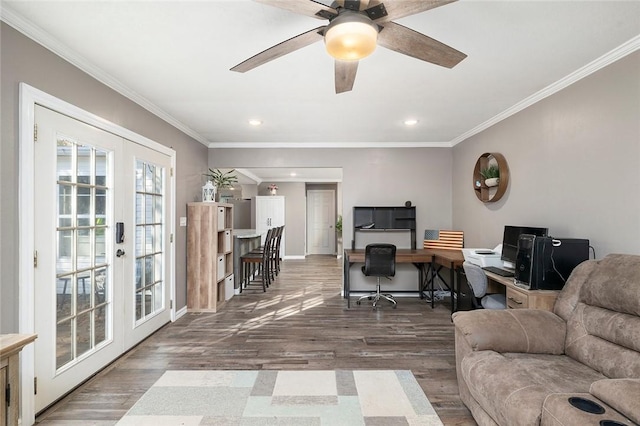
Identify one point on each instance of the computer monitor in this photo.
(510, 241)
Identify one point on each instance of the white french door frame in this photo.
(29, 97)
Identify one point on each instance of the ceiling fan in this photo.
(355, 28)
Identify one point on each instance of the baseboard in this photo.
(180, 313)
(294, 258)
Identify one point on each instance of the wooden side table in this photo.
(10, 347)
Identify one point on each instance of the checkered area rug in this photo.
(284, 398)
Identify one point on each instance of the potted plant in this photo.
(491, 175)
(339, 225)
(221, 180)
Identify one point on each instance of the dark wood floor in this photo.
(301, 322)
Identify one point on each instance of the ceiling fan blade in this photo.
(280, 49)
(412, 43)
(345, 75)
(305, 7)
(397, 9)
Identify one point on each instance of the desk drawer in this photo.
(517, 299)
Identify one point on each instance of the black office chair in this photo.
(379, 261)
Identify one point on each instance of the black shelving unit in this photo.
(379, 218)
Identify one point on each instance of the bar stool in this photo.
(256, 260)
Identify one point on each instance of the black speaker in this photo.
(545, 263)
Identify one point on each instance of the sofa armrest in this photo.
(621, 394)
(512, 330)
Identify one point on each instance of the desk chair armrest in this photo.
(512, 330)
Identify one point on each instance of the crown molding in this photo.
(373, 145)
(43, 38)
(250, 175)
(599, 63)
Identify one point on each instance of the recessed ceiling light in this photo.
(293, 174)
(255, 122)
(410, 122)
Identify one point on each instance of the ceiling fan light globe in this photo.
(351, 39)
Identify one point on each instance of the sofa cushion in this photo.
(512, 387)
(606, 341)
(512, 330)
(603, 329)
(613, 285)
(568, 297)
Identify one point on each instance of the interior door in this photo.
(102, 215)
(321, 219)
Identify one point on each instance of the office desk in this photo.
(521, 298)
(420, 258)
(451, 259)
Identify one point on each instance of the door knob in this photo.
(120, 253)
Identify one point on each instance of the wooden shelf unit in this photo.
(10, 347)
(209, 254)
(483, 192)
(380, 218)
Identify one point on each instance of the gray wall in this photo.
(23, 60)
(574, 160)
(370, 177)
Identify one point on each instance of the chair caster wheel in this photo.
(395, 306)
(358, 302)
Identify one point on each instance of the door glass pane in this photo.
(148, 209)
(64, 342)
(150, 256)
(84, 231)
(83, 333)
(139, 209)
(157, 296)
(149, 238)
(100, 324)
(101, 167)
(83, 292)
(65, 194)
(65, 251)
(64, 290)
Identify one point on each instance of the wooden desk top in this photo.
(402, 255)
(451, 257)
(441, 256)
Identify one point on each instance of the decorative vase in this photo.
(208, 192)
(492, 182)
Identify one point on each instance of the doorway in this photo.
(321, 219)
(98, 223)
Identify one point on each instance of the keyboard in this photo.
(498, 271)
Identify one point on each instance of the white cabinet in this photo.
(269, 212)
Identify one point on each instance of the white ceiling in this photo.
(173, 57)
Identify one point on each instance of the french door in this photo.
(102, 264)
